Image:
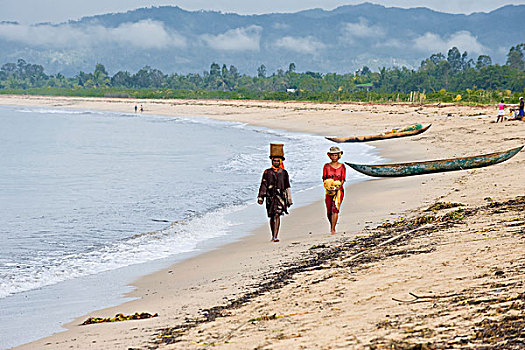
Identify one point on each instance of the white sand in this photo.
(336, 307)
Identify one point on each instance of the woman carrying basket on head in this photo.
(334, 176)
(275, 189)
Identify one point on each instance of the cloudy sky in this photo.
(37, 11)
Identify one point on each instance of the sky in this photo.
(57, 11)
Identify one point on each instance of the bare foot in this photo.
(276, 239)
(333, 233)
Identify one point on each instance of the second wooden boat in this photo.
(383, 136)
(434, 166)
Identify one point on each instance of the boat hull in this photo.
(435, 166)
(383, 136)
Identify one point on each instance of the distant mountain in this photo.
(342, 40)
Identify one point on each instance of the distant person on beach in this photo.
(521, 113)
(334, 176)
(513, 115)
(501, 111)
(275, 188)
(135, 108)
(141, 109)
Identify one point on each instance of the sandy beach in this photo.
(397, 274)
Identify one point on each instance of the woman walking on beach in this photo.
(275, 187)
(334, 176)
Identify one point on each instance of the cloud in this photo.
(394, 43)
(463, 40)
(238, 39)
(279, 25)
(351, 32)
(145, 34)
(307, 44)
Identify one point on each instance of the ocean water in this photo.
(89, 196)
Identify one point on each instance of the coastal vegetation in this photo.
(439, 78)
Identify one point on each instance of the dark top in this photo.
(273, 188)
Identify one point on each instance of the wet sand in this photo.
(451, 278)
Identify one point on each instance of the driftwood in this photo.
(424, 298)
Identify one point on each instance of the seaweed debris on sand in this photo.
(427, 282)
(119, 318)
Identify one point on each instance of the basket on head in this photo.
(276, 150)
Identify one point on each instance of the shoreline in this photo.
(213, 277)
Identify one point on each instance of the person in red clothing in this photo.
(334, 176)
(275, 188)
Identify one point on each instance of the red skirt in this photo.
(331, 206)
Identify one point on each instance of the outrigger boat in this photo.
(434, 166)
(408, 131)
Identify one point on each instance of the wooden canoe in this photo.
(434, 166)
(382, 136)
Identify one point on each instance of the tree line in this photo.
(437, 77)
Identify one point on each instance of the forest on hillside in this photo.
(451, 77)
